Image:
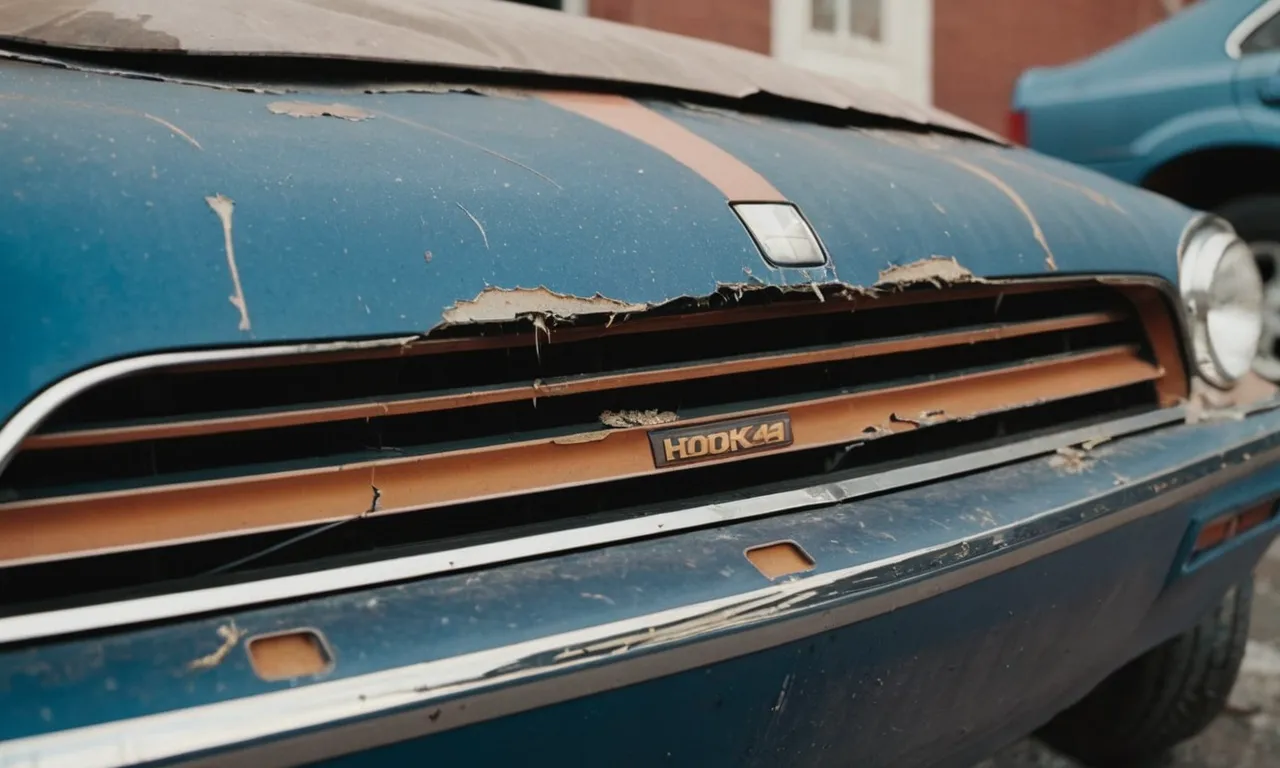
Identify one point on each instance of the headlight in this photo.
(1222, 295)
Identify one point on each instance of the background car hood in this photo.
(1159, 54)
(128, 202)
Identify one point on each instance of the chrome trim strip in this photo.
(357, 713)
(168, 606)
(31, 415)
(1249, 25)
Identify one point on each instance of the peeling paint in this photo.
(224, 207)
(312, 109)
(1071, 460)
(582, 437)
(624, 419)
(230, 635)
(501, 305)
(935, 270)
(1017, 200)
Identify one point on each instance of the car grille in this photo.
(488, 428)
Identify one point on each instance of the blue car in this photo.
(1190, 109)
(461, 383)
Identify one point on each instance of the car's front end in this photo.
(426, 421)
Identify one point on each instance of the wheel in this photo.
(1257, 220)
(1166, 696)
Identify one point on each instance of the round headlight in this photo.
(1222, 294)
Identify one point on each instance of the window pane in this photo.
(822, 15)
(1264, 38)
(864, 18)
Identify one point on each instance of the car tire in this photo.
(1164, 697)
(1257, 220)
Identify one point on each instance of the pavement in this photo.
(1248, 735)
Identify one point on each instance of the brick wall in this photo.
(981, 46)
(744, 23)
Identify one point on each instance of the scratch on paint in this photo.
(459, 139)
(1092, 194)
(178, 131)
(109, 109)
(475, 221)
(230, 635)
(782, 695)
(1017, 200)
(224, 206)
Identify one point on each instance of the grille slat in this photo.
(210, 424)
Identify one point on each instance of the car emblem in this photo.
(720, 439)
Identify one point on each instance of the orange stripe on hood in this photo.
(738, 181)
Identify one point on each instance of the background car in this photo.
(1189, 108)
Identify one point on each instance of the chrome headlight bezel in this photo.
(1209, 246)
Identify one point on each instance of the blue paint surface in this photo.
(1072, 617)
(110, 248)
(1166, 93)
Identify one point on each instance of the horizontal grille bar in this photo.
(155, 429)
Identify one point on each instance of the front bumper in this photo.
(937, 623)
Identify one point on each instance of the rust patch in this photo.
(625, 419)
(312, 109)
(286, 655)
(230, 635)
(937, 271)
(734, 178)
(783, 558)
(501, 305)
(1015, 198)
(224, 207)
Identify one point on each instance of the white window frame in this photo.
(901, 61)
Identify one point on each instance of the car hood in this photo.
(484, 37)
(142, 216)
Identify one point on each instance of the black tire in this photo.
(1257, 220)
(1162, 698)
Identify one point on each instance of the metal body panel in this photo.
(964, 586)
(1176, 89)
(376, 227)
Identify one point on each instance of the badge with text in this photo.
(720, 439)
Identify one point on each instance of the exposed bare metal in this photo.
(312, 109)
(224, 207)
